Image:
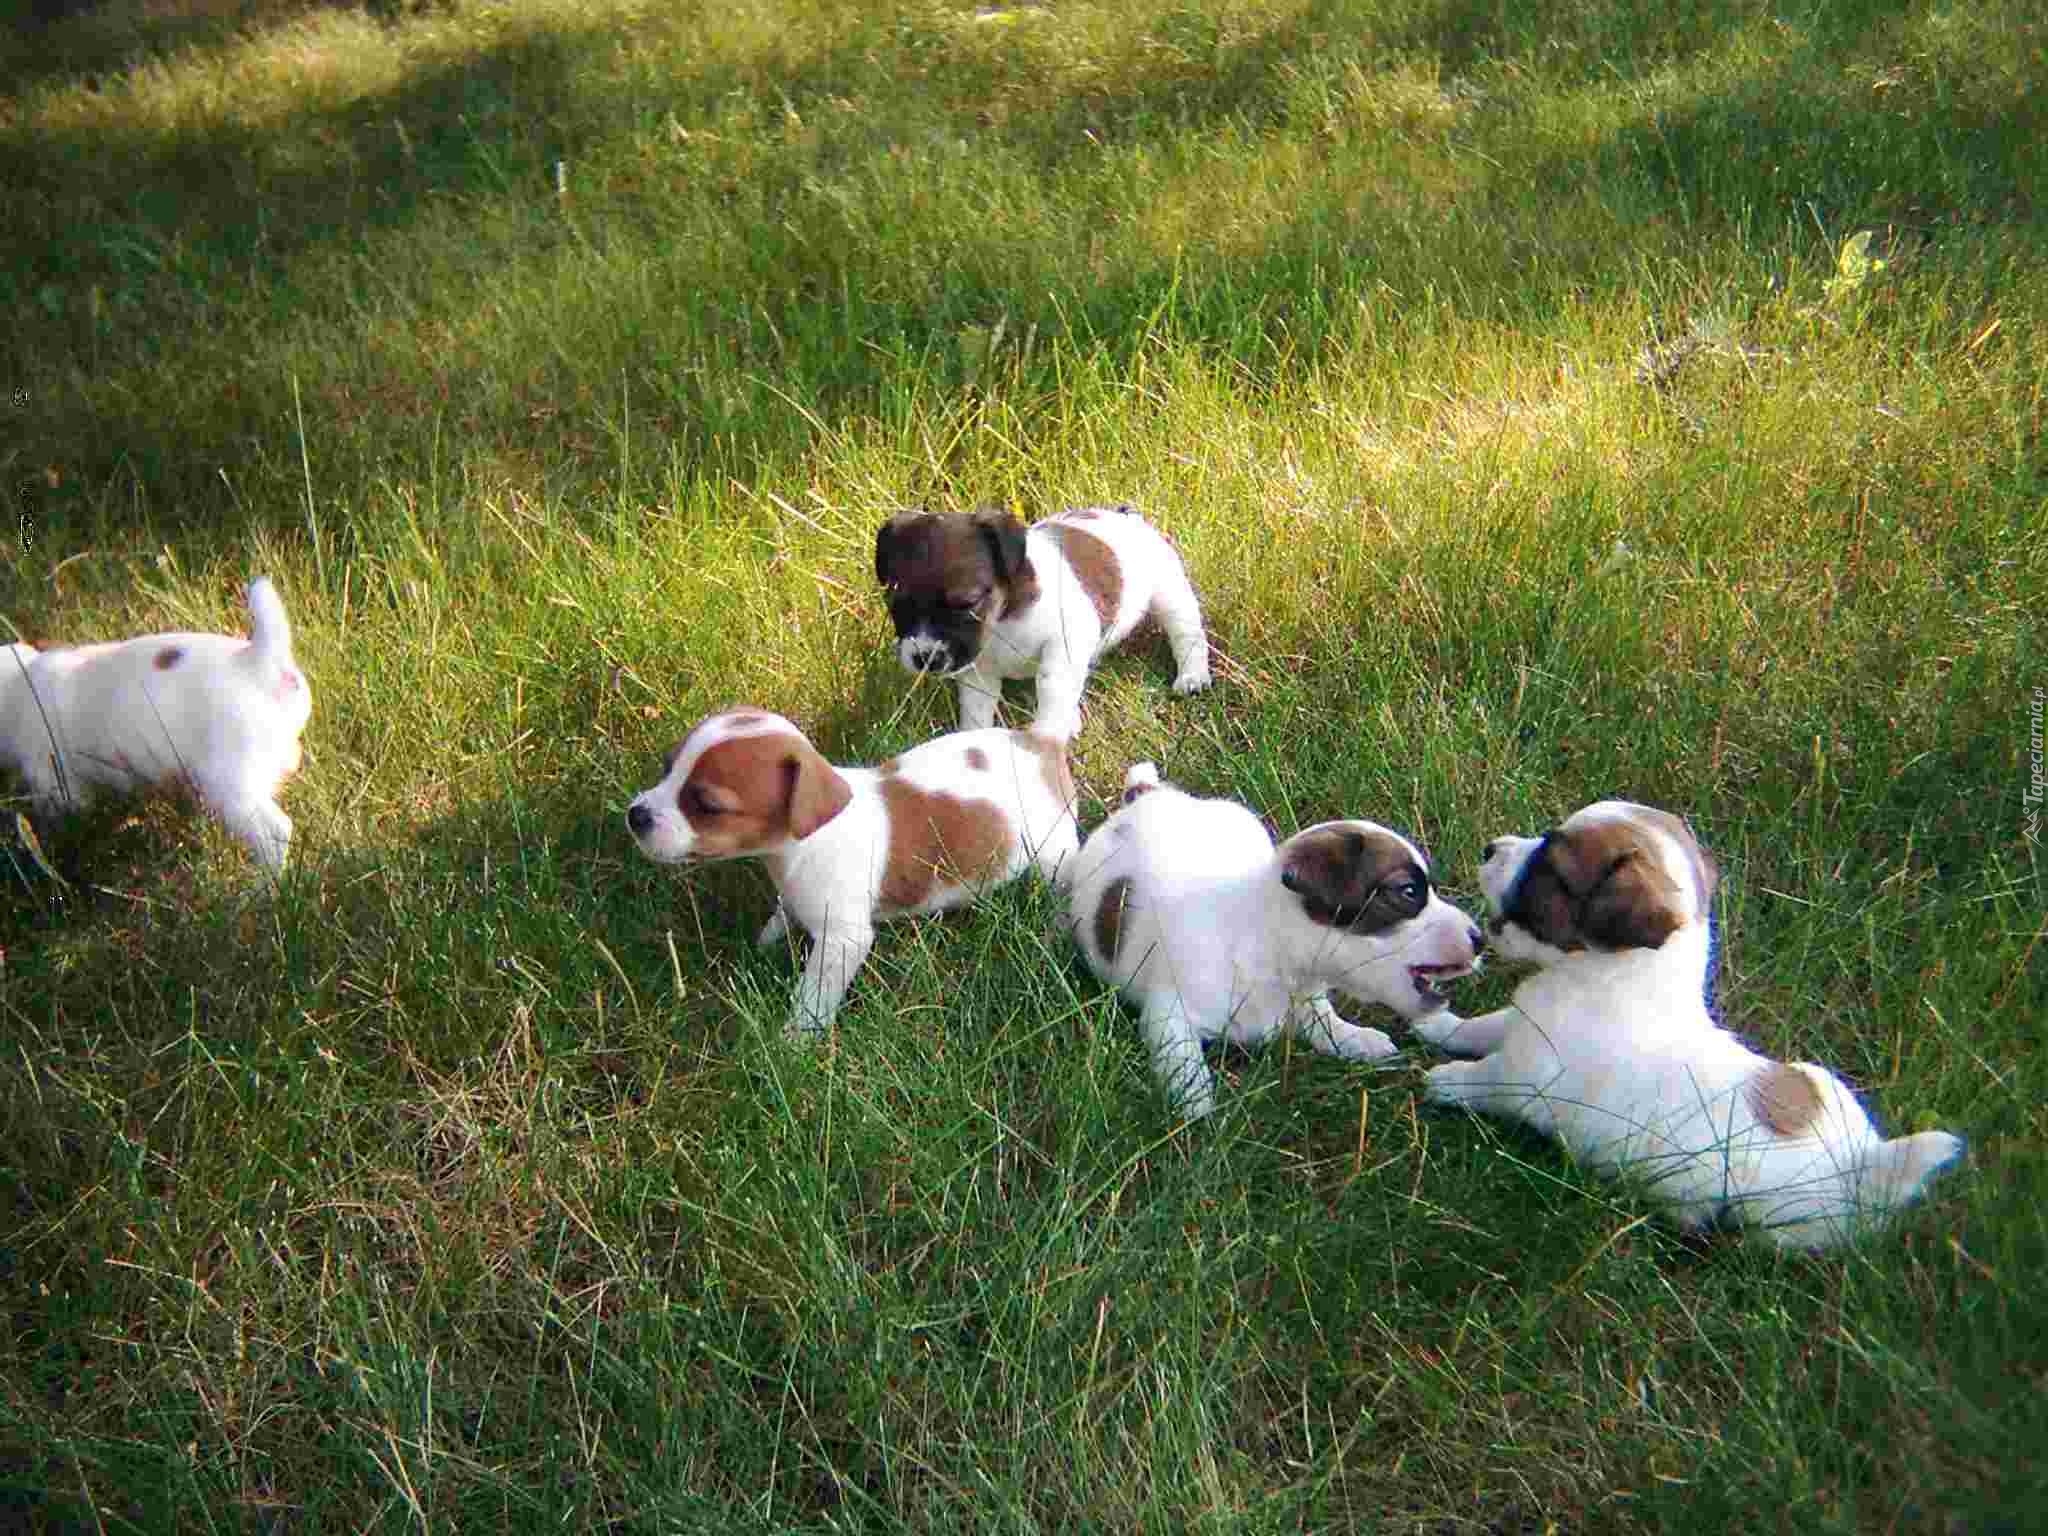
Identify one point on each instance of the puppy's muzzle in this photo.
(920, 653)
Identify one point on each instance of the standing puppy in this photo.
(1609, 1046)
(980, 598)
(1210, 931)
(850, 847)
(216, 713)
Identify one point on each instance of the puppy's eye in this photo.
(1407, 890)
(694, 802)
(966, 602)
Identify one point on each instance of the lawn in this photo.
(1551, 401)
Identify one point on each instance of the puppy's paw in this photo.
(1357, 1043)
(1437, 1028)
(1193, 678)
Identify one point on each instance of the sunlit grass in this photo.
(1500, 376)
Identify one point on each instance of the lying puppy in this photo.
(215, 713)
(981, 598)
(1187, 907)
(848, 847)
(1610, 1048)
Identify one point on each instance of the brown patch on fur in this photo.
(169, 657)
(1705, 873)
(1051, 753)
(938, 840)
(1785, 1099)
(1095, 566)
(888, 766)
(1109, 918)
(740, 719)
(751, 792)
(1136, 791)
(1599, 885)
(977, 759)
(1347, 876)
(1021, 594)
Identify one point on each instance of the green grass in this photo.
(1498, 370)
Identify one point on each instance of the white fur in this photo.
(1614, 1053)
(1214, 945)
(1057, 639)
(829, 883)
(225, 719)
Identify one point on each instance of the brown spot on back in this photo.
(1095, 566)
(1051, 753)
(1109, 918)
(977, 759)
(938, 840)
(1785, 1099)
(169, 657)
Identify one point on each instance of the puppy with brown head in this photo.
(981, 598)
(1212, 932)
(847, 848)
(1609, 1045)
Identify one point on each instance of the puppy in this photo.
(1209, 930)
(216, 713)
(1610, 1048)
(848, 847)
(981, 598)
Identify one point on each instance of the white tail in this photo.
(270, 632)
(1895, 1171)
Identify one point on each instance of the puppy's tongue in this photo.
(1430, 978)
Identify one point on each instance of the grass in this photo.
(1512, 381)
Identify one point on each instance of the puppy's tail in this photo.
(1140, 779)
(1894, 1172)
(270, 632)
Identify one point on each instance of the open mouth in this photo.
(1430, 980)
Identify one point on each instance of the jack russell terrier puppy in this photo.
(1187, 907)
(925, 831)
(215, 713)
(1609, 1046)
(980, 598)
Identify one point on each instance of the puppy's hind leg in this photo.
(1177, 1057)
(1179, 612)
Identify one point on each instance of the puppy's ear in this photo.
(1632, 905)
(1326, 869)
(1004, 536)
(815, 791)
(888, 542)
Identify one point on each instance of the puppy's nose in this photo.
(639, 819)
(1488, 851)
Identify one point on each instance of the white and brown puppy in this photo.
(216, 714)
(1188, 908)
(1609, 1046)
(980, 598)
(925, 831)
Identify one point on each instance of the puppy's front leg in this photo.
(1464, 1037)
(1060, 685)
(1317, 1021)
(776, 929)
(980, 692)
(835, 956)
(261, 825)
